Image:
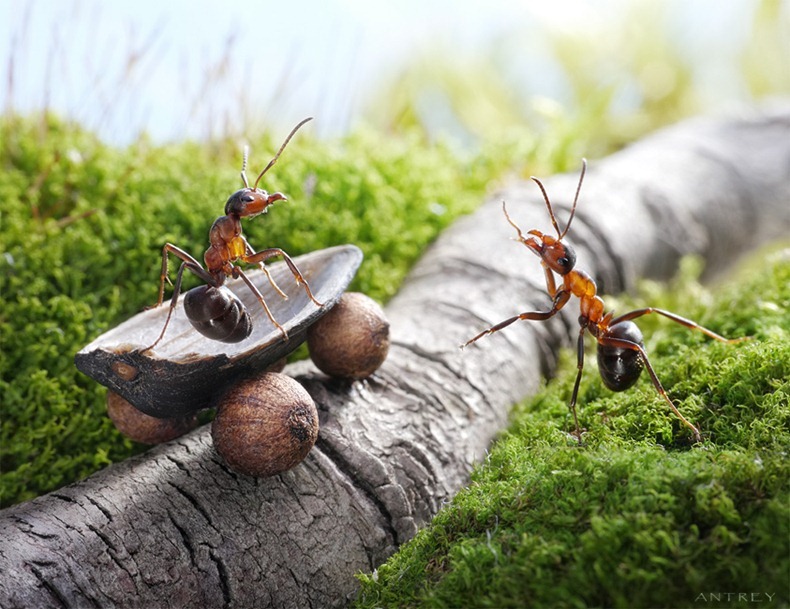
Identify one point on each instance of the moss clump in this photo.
(548, 525)
(82, 226)
(635, 517)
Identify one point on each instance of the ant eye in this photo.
(562, 261)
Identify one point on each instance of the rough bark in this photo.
(174, 527)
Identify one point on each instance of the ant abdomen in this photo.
(217, 313)
(620, 367)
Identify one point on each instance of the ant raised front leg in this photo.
(559, 301)
(188, 262)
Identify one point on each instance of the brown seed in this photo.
(144, 428)
(352, 339)
(265, 425)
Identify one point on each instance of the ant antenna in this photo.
(562, 234)
(576, 198)
(244, 167)
(280, 151)
(521, 237)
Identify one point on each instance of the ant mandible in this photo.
(621, 350)
(213, 309)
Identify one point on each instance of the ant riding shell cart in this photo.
(174, 361)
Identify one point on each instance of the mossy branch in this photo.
(175, 527)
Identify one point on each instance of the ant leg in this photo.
(237, 272)
(691, 325)
(188, 262)
(274, 285)
(264, 255)
(551, 286)
(574, 395)
(173, 303)
(609, 341)
(263, 267)
(559, 301)
(191, 263)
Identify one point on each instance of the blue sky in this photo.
(178, 68)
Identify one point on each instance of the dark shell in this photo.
(186, 372)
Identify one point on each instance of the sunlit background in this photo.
(466, 69)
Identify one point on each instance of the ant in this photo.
(213, 309)
(621, 349)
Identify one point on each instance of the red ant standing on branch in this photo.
(621, 350)
(213, 309)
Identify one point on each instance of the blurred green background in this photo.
(459, 69)
(123, 126)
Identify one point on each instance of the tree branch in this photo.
(175, 527)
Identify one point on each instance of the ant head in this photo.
(556, 255)
(249, 202)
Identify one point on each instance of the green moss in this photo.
(82, 226)
(636, 517)
(614, 527)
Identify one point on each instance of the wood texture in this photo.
(173, 527)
